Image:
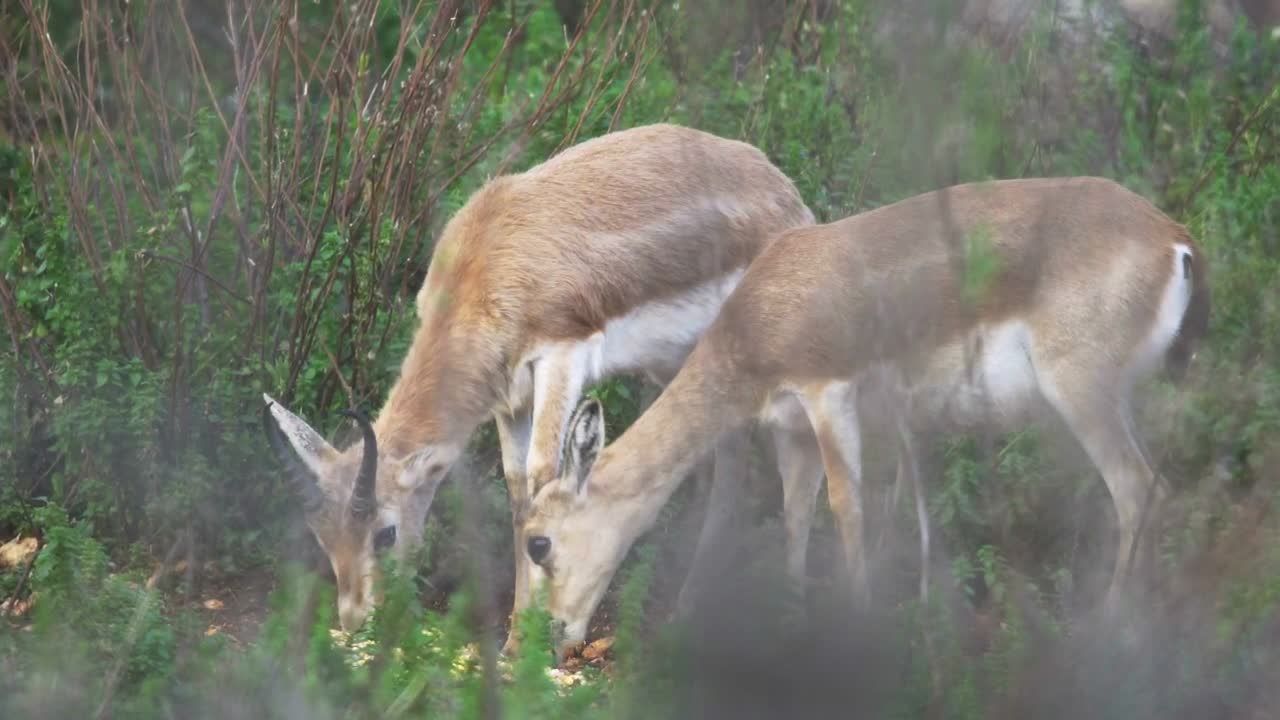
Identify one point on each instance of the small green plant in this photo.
(981, 266)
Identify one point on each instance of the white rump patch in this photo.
(1173, 306)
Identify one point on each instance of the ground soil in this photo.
(234, 606)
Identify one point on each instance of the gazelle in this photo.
(611, 257)
(971, 305)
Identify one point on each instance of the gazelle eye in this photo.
(385, 538)
(539, 546)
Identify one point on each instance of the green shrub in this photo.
(164, 258)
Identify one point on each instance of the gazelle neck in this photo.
(442, 394)
(647, 463)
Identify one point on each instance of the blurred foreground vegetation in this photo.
(203, 200)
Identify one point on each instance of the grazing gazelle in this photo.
(971, 304)
(611, 257)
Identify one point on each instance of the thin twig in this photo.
(149, 254)
(337, 371)
(1208, 167)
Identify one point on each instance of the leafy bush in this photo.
(200, 201)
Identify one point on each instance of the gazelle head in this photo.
(360, 505)
(571, 534)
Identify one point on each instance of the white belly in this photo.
(653, 339)
(985, 378)
(656, 337)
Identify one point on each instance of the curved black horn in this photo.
(363, 497)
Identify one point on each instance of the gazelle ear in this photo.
(294, 441)
(427, 468)
(582, 444)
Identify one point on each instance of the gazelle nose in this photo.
(351, 615)
(351, 620)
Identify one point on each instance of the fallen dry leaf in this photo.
(17, 552)
(213, 604)
(211, 631)
(15, 608)
(564, 678)
(598, 648)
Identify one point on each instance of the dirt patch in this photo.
(234, 606)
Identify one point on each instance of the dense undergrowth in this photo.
(201, 201)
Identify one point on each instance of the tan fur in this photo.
(550, 256)
(557, 251)
(1082, 263)
(820, 305)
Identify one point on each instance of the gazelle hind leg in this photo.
(833, 413)
(1153, 503)
(1100, 418)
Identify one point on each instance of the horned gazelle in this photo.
(611, 257)
(1086, 288)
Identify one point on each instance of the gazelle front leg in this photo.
(531, 449)
(513, 439)
(800, 465)
(727, 467)
(832, 411)
(559, 377)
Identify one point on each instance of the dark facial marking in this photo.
(538, 547)
(384, 539)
